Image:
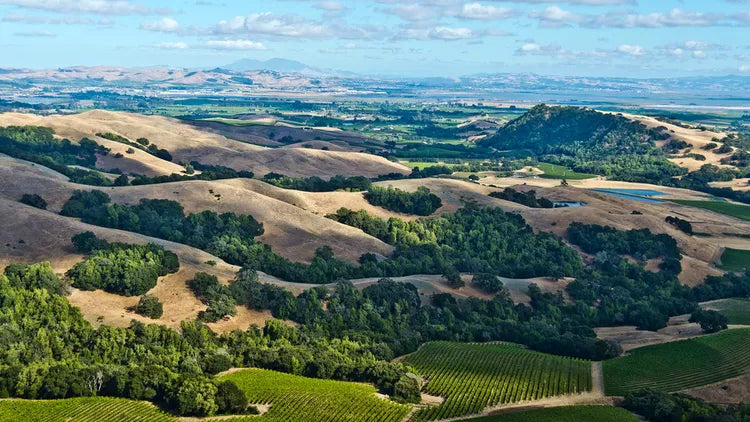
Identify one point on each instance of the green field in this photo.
(726, 208)
(736, 310)
(301, 399)
(735, 260)
(554, 171)
(84, 409)
(564, 414)
(473, 376)
(680, 364)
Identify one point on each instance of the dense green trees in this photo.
(421, 202)
(217, 296)
(120, 268)
(487, 282)
(588, 141)
(316, 184)
(38, 144)
(524, 198)
(472, 239)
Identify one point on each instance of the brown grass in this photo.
(187, 143)
(289, 229)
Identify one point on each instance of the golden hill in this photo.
(187, 143)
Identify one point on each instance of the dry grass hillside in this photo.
(31, 235)
(187, 143)
(290, 229)
(694, 137)
(700, 253)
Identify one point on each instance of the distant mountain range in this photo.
(275, 64)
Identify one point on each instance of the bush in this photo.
(407, 389)
(149, 306)
(487, 282)
(709, 320)
(454, 279)
(680, 224)
(34, 200)
(231, 400)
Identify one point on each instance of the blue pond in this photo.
(642, 195)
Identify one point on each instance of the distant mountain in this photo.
(275, 64)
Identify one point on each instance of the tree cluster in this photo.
(421, 202)
(120, 268)
(528, 198)
(316, 184)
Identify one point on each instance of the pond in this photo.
(564, 204)
(642, 195)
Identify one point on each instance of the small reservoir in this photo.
(642, 195)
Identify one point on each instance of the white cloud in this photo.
(486, 12)
(103, 7)
(34, 34)
(162, 25)
(530, 47)
(267, 23)
(448, 33)
(64, 20)
(330, 6)
(744, 68)
(172, 45)
(235, 45)
(631, 50)
(554, 16)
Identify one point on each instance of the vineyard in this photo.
(85, 409)
(564, 414)
(736, 310)
(300, 399)
(472, 377)
(681, 364)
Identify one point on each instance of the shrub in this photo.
(149, 306)
(487, 282)
(709, 320)
(231, 400)
(34, 200)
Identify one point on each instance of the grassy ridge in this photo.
(736, 310)
(472, 376)
(84, 409)
(679, 365)
(564, 414)
(726, 208)
(735, 260)
(554, 171)
(300, 399)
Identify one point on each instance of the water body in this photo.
(564, 204)
(642, 195)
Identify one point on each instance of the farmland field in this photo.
(84, 409)
(564, 414)
(735, 260)
(472, 377)
(300, 399)
(681, 364)
(736, 310)
(554, 171)
(726, 208)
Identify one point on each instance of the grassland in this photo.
(736, 310)
(554, 171)
(726, 208)
(300, 399)
(564, 414)
(84, 409)
(472, 377)
(681, 364)
(735, 260)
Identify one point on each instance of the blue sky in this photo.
(627, 38)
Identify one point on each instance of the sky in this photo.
(611, 38)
